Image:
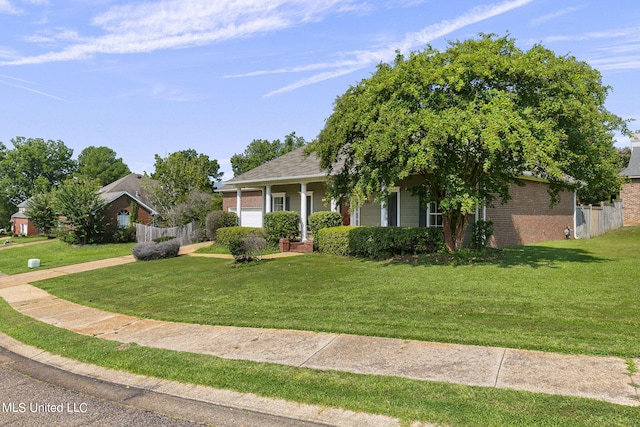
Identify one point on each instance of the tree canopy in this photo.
(32, 166)
(260, 151)
(469, 121)
(102, 164)
(179, 174)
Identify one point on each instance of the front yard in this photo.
(570, 296)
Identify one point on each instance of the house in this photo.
(295, 181)
(126, 203)
(630, 193)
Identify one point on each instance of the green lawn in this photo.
(408, 400)
(55, 254)
(574, 296)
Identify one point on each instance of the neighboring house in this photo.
(126, 202)
(630, 193)
(21, 224)
(295, 182)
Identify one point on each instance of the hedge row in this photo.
(281, 225)
(148, 251)
(377, 242)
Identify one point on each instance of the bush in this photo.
(378, 242)
(334, 240)
(482, 232)
(248, 248)
(324, 219)
(219, 219)
(148, 251)
(281, 225)
(225, 235)
(124, 235)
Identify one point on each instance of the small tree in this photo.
(82, 207)
(40, 211)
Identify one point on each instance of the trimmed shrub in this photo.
(225, 235)
(378, 242)
(219, 219)
(482, 232)
(320, 220)
(148, 251)
(335, 240)
(281, 225)
(248, 248)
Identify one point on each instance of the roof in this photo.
(293, 165)
(633, 170)
(129, 185)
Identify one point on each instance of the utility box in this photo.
(33, 263)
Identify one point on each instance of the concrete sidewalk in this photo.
(602, 378)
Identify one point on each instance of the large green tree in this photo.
(41, 212)
(33, 166)
(78, 201)
(468, 121)
(179, 174)
(102, 164)
(260, 151)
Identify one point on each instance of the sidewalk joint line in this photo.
(319, 350)
(504, 352)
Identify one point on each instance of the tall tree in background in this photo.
(33, 166)
(260, 151)
(102, 164)
(179, 174)
(41, 212)
(469, 122)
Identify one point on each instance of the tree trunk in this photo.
(454, 225)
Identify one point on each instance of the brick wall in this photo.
(527, 217)
(250, 199)
(124, 203)
(631, 197)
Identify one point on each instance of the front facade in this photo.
(21, 223)
(630, 193)
(294, 182)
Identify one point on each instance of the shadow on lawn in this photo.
(531, 256)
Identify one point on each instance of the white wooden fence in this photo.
(595, 220)
(185, 234)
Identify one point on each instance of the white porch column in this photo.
(267, 199)
(303, 211)
(239, 205)
(384, 214)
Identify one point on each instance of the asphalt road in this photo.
(34, 394)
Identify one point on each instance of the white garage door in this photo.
(250, 217)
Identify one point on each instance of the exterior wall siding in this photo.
(124, 203)
(19, 223)
(528, 218)
(250, 199)
(631, 197)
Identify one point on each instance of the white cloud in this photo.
(7, 7)
(366, 58)
(172, 24)
(554, 15)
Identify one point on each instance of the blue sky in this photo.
(154, 77)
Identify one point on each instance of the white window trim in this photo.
(396, 190)
(309, 205)
(284, 201)
(432, 215)
(121, 214)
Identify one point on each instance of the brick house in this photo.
(630, 193)
(295, 181)
(126, 203)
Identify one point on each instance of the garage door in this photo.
(250, 217)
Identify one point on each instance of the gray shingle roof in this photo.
(633, 170)
(293, 165)
(130, 185)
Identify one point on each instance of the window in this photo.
(429, 215)
(434, 217)
(278, 202)
(123, 218)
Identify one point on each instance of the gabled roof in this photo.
(295, 165)
(633, 170)
(129, 185)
